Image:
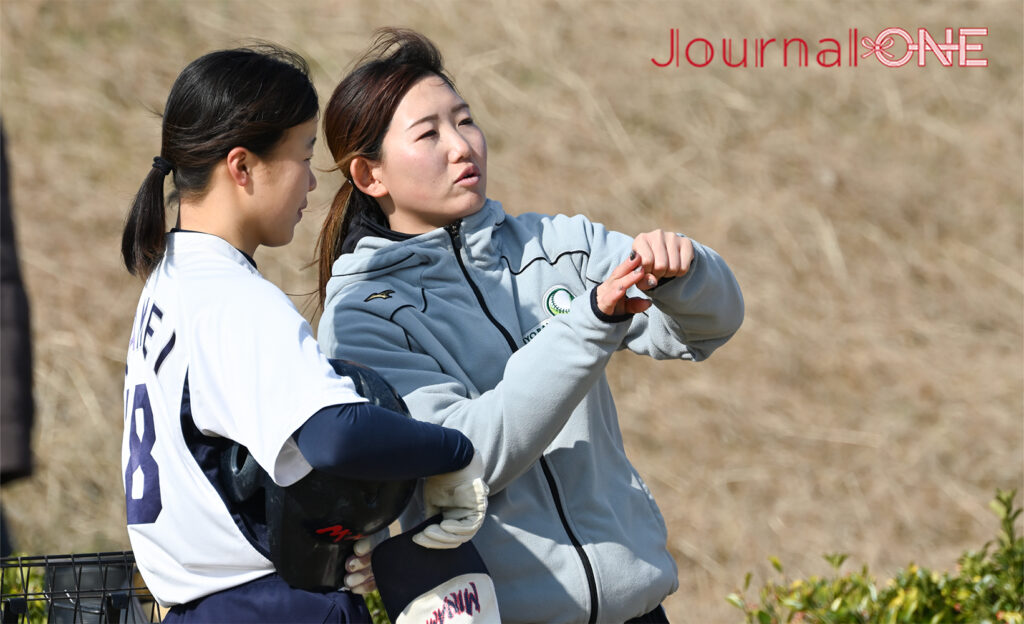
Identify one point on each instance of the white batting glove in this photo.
(359, 578)
(461, 497)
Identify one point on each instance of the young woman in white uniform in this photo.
(220, 355)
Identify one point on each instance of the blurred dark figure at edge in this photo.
(17, 408)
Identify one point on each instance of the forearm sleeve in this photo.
(363, 441)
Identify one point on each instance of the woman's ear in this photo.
(366, 176)
(240, 161)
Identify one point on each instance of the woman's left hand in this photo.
(663, 255)
(360, 579)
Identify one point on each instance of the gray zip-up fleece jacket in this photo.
(489, 326)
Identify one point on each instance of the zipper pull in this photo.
(453, 230)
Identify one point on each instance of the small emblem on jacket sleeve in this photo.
(384, 294)
(557, 300)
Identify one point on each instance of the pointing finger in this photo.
(626, 266)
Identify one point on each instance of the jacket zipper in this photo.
(454, 231)
(587, 567)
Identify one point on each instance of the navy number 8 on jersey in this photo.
(142, 476)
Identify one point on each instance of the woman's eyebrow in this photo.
(433, 117)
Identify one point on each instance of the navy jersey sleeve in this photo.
(336, 440)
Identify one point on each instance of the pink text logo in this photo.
(925, 43)
(456, 603)
(959, 47)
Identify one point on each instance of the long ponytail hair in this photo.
(357, 118)
(245, 97)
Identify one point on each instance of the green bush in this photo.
(27, 584)
(376, 607)
(987, 588)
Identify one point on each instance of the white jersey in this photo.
(217, 353)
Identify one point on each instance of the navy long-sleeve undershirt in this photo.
(363, 441)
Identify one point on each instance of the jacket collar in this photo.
(364, 226)
(491, 214)
(377, 250)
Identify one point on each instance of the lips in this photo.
(469, 175)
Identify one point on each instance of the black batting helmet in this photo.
(312, 525)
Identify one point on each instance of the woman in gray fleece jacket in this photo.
(501, 326)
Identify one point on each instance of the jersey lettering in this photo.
(149, 326)
(164, 353)
(149, 322)
(142, 476)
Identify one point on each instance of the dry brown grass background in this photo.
(872, 402)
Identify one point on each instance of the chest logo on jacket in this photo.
(556, 301)
(384, 294)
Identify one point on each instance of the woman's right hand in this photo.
(611, 294)
(461, 497)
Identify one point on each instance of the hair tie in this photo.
(162, 165)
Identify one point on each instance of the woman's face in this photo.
(285, 178)
(433, 167)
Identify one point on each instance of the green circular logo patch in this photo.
(557, 300)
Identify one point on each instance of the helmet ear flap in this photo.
(240, 475)
(371, 386)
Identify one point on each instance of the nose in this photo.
(459, 147)
(312, 181)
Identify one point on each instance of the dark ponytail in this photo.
(349, 203)
(142, 244)
(357, 118)
(246, 97)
